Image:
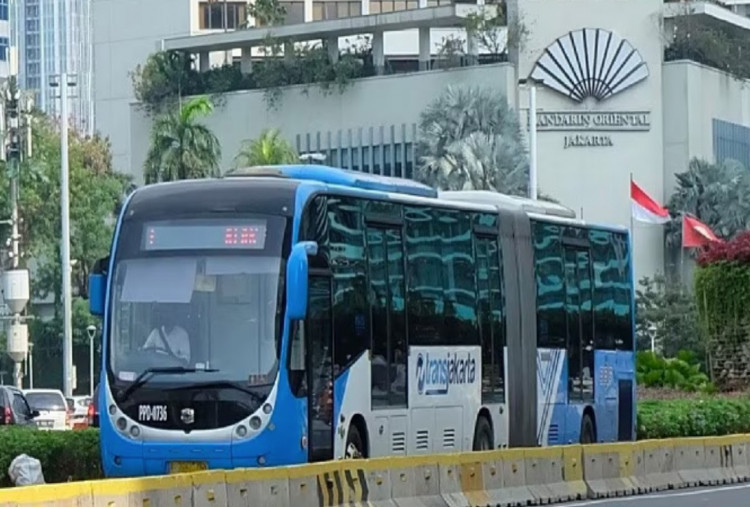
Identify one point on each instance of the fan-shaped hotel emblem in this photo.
(591, 62)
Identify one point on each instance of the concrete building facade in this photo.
(608, 104)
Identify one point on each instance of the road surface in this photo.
(737, 495)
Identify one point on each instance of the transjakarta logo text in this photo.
(435, 374)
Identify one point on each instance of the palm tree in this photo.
(268, 149)
(470, 139)
(716, 194)
(182, 148)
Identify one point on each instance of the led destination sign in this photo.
(250, 235)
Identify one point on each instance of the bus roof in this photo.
(497, 199)
(410, 190)
(336, 176)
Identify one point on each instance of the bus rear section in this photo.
(585, 328)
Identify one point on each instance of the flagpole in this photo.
(682, 252)
(632, 230)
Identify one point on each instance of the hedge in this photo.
(693, 418)
(65, 455)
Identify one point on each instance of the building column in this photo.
(425, 48)
(378, 53)
(204, 62)
(472, 47)
(246, 63)
(288, 50)
(365, 7)
(332, 44)
(308, 10)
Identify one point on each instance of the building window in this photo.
(212, 15)
(385, 6)
(4, 10)
(731, 141)
(295, 12)
(336, 10)
(4, 49)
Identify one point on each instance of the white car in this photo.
(52, 408)
(79, 407)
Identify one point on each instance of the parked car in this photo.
(52, 408)
(93, 415)
(14, 409)
(78, 407)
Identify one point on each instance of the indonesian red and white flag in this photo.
(645, 209)
(695, 233)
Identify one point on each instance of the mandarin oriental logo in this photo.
(591, 62)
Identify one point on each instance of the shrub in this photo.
(64, 455)
(682, 372)
(693, 418)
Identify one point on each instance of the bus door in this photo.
(580, 323)
(319, 345)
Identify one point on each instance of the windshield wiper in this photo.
(146, 375)
(223, 384)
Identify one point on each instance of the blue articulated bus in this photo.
(290, 314)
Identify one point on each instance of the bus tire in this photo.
(354, 444)
(483, 435)
(588, 431)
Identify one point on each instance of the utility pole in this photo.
(15, 281)
(65, 81)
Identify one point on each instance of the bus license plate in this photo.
(180, 467)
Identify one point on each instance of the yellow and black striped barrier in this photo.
(503, 477)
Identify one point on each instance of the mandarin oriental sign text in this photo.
(594, 121)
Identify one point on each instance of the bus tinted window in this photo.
(491, 309)
(349, 267)
(425, 276)
(459, 280)
(550, 286)
(612, 290)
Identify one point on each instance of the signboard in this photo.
(444, 374)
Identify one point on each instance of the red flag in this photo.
(644, 208)
(695, 233)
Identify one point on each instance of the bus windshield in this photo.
(212, 314)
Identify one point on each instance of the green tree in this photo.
(668, 312)
(716, 194)
(181, 148)
(268, 149)
(470, 139)
(266, 12)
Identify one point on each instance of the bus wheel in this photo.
(354, 444)
(588, 433)
(483, 435)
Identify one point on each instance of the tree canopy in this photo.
(470, 139)
(716, 194)
(268, 149)
(181, 147)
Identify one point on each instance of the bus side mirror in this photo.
(296, 279)
(98, 287)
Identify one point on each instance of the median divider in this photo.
(508, 477)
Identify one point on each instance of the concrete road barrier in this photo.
(509, 477)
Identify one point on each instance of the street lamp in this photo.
(31, 365)
(91, 330)
(532, 83)
(65, 80)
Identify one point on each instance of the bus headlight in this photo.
(241, 431)
(267, 408)
(135, 431)
(255, 423)
(122, 424)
